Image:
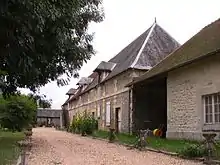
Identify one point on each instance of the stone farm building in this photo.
(50, 117)
(103, 94)
(183, 90)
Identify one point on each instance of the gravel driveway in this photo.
(52, 147)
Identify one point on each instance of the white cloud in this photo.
(127, 19)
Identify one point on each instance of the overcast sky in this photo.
(125, 20)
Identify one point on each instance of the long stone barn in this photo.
(50, 117)
(103, 94)
(183, 90)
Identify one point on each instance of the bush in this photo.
(193, 150)
(83, 124)
(17, 112)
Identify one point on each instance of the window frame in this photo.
(108, 107)
(213, 111)
(99, 111)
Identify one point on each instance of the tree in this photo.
(17, 112)
(40, 40)
(41, 100)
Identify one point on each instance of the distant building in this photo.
(50, 117)
(103, 94)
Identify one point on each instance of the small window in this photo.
(107, 113)
(212, 108)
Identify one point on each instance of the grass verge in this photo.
(9, 150)
(174, 146)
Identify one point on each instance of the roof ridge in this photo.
(142, 47)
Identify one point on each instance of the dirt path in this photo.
(52, 147)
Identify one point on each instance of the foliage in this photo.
(111, 136)
(9, 150)
(193, 150)
(84, 124)
(40, 40)
(42, 101)
(17, 112)
(75, 124)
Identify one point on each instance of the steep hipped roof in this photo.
(201, 45)
(143, 53)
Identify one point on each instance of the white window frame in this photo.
(108, 114)
(213, 105)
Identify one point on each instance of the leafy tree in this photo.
(17, 112)
(42, 101)
(40, 40)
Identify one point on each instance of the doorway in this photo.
(117, 120)
(150, 105)
(48, 122)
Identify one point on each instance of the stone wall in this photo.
(185, 88)
(112, 90)
(54, 121)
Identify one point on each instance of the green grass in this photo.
(9, 150)
(100, 134)
(156, 143)
(153, 142)
(169, 145)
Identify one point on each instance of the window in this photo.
(93, 114)
(212, 108)
(98, 111)
(107, 113)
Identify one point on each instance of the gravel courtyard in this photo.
(52, 147)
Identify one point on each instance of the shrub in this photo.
(73, 126)
(193, 150)
(17, 112)
(83, 124)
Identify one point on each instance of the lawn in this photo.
(155, 143)
(9, 150)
